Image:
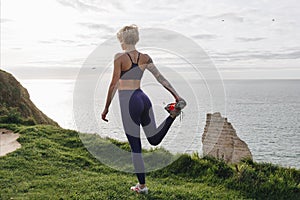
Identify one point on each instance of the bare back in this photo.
(126, 61)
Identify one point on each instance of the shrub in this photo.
(29, 121)
(12, 117)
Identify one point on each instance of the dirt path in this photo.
(8, 141)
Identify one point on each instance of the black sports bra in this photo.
(134, 72)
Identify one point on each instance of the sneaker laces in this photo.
(180, 105)
(181, 115)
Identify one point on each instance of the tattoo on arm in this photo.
(149, 61)
(161, 79)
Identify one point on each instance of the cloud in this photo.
(46, 41)
(87, 44)
(259, 55)
(64, 62)
(82, 5)
(183, 18)
(204, 36)
(89, 35)
(95, 36)
(67, 41)
(53, 72)
(97, 26)
(197, 18)
(3, 20)
(117, 4)
(245, 39)
(16, 48)
(54, 41)
(257, 68)
(228, 16)
(167, 5)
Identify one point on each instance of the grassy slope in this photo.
(53, 164)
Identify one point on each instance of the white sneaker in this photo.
(175, 108)
(137, 189)
(180, 104)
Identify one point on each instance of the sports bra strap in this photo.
(129, 57)
(137, 62)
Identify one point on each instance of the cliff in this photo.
(221, 141)
(15, 98)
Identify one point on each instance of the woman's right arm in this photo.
(113, 86)
(161, 79)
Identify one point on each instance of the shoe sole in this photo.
(137, 191)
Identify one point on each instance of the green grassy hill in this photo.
(53, 164)
(15, 103)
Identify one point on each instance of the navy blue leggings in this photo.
(136, 110)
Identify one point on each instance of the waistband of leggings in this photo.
(126, 91)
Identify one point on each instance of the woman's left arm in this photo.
(113, 85)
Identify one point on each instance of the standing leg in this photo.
(137, 159)
(131, 109)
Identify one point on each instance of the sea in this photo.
(264, 113)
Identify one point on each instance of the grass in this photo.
(54, 164)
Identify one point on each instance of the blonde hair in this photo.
(128, 34)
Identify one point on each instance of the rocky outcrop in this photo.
(14, 95)
(221, 141)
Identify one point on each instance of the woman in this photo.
(136, 108)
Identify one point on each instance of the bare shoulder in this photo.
(119, 56)
(145, 58)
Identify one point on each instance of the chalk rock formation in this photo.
(221, 141)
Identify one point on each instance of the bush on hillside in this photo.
(10, 115)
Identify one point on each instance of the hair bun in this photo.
(129, 34)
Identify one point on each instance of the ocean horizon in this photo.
(264, 112)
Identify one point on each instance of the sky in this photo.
(257, 39)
